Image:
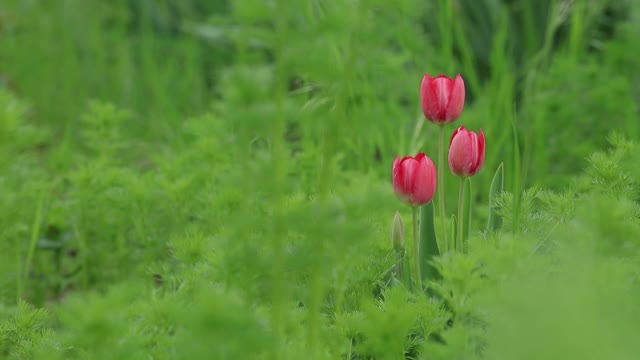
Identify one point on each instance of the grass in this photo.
(191, 179)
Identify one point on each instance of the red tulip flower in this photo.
(415, 179)
(442, 98)
(466, 152)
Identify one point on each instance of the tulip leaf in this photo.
(497, 187)
(428, 243)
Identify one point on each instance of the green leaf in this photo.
(497, 187)
(428, 242)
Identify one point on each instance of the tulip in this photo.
(442, 98)
(466, 152)
(466, 158)
(442, 101)
(415, 179)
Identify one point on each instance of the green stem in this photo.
(459, 245)
(416, 247)
(468, 212)
(443, 215)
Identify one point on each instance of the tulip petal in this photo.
(396, 162)
(442, 88)
(427, 98)
(425, 180)
(397, 176)
(403, 174)
(460, 153)
(473, 150)
(408, 168)
(461, 128)
(434, 96)
(456, 98)
(480, 157)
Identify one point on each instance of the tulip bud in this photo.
(415, 179)
(442, 98)
(466, 152)
(397, 232)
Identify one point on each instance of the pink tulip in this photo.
(466, 152)
(442, 98)
(415, 179)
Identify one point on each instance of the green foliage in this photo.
(196, 179)
(409, 321)
(25, 331)
(567, 92)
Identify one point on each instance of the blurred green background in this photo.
(535, 64)
(234, 158)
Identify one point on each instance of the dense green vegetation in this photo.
(211, 180)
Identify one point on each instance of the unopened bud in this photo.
(397, 232)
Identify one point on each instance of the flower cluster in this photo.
(415, 178)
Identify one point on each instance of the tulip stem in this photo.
(460, 244)
(416, 246)
(443, 215)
